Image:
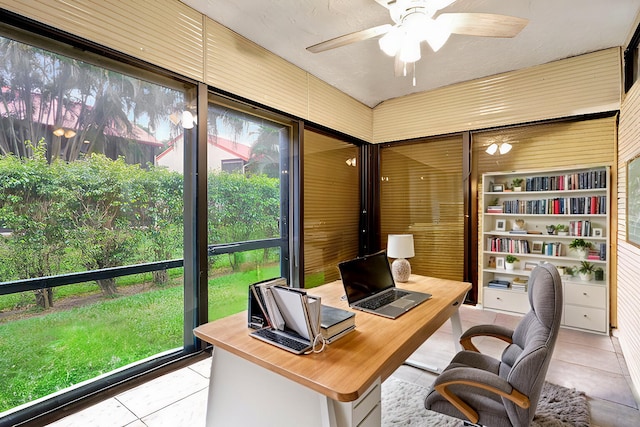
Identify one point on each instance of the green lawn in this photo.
(49, 352)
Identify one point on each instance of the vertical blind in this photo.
(422, 194)
(331, 206)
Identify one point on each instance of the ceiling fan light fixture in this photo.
(410, 51)
(390, 42)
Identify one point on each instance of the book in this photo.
(335, 320)
(332, 338)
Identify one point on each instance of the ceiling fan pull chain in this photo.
(414, 74)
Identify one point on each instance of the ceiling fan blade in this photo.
(483, 24)
(350, 38)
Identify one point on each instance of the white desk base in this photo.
(456, 329)
(242, 393)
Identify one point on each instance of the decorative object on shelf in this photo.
(598, 273)
(501, 225)
(586, 270)
(518, 224)
(517, 184)
(499, 262)
(400, 247)
(581, 247)
(597, 232)
(492, 262)
(510, 262)
(562, 229)
(536, 247)
(551, 229)
(529, 266)
(497, 188)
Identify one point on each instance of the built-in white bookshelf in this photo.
(522, 212)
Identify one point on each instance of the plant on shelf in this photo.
(586, 269)
(551, 229)
(581, 246)
(562, 229)
(510, 260)
(516, 183)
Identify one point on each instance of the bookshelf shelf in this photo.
(516, 223)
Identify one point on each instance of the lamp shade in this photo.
(400, 246)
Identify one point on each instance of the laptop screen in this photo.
(363, 277)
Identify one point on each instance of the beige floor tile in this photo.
(587, 356)
(188, 412)
(163, 391)
(108, 413)
(595, 383)
(608, 414)
(202, 367)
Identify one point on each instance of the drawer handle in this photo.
(585, 316)
(498, 298)
(585, 294)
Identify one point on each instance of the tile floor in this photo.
(587, 362)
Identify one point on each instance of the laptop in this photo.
(369, 286)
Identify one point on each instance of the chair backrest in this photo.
(525, 361)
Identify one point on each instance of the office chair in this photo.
(486, 391)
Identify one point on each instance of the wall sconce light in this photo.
(494, 148)
(351, 162)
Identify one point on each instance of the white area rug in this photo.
(403, 405)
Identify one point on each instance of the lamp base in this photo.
(401, 270)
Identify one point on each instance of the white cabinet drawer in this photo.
(587, 295)
(594, 319)
(499, 299)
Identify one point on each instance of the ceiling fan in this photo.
(414, 22)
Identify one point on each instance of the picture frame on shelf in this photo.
(501, 224)
(492, 262)
(597, 232)
(633, 201)
(500, 262)
(497, 188)
(529, 266)
(536, 246)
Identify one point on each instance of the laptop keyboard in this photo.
(382, 299)
(281, 340)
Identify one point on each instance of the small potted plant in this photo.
(586, 270)
(581, 247)
(598, 273)
(517, 184)
(562, 230)
(510, 261)
(551, 229)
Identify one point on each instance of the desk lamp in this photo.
(400, 246)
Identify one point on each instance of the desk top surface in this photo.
(348, 366)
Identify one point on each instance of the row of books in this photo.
(507, 244)
(588, 205)
(575, 181)
(598, 253)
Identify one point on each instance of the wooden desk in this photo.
(254, 383)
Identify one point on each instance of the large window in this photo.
(421, 193)
(247, 204)
(91, 223)
(331, 206)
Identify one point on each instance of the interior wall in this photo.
(580, 85)
(628, 254)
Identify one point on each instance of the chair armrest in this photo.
(477, 378)
(495, 331)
